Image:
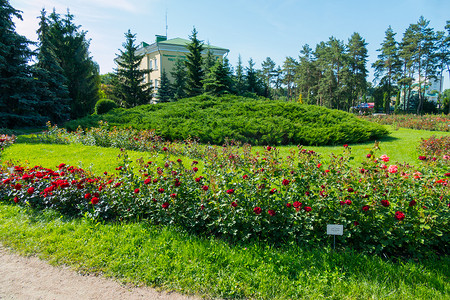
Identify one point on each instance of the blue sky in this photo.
(256, 29)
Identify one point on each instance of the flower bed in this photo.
(240, 196)
(426, 122)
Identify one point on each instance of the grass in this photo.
(170, 259)
(400, 146)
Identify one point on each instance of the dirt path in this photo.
(30, 278)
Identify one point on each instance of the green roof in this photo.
(184, 42)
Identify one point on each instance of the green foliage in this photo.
(179, 79)
(128, 88)
(165, 93)
(435, 147)
(71, 47)
(19, 97)
(258, 122)
(194, 65)
(218, 80)
(104, 105)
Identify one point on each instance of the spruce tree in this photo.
(218, 80)
(239, 79)
(179, 79)
(72, 49)
(18, 89)
(165, 93)
(54, 94)
(209, 60)
(251, 79)
(129, 87)
(194, 65)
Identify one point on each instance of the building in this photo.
(162, 54)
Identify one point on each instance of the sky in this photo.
(253, 28)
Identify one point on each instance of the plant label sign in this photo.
(333, 229)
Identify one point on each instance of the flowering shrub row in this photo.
(426, 122)
(384, 207)
(123, 138)
(435, 147)
(5, 141)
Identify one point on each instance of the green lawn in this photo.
(400, 146)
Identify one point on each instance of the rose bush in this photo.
(242, 196)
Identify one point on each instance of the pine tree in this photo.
(129, 87)
(18, 97)
(387, 67)
(218, 80)
(307, 75)
(194, 65)
(357, 60)
(165, 93)
(289, 70)
(179, 79)
(54, 94)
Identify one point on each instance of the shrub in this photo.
(104, 105)
(255, 121)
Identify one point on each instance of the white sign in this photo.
(335, 229)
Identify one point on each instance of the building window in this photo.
(150, 64)
(156, 64)
(156, 84)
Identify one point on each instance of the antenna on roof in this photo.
(166, 24)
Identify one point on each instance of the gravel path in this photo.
(31, 278)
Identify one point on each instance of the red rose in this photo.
(319, 165)
(173, 195)
(194, 162)
(297, 204)
(96, 194)
(356, 223)
(399, 215)
(179, 160)
(18, 186)
(136, 191)
(369, 155)
(365, 208)
(205, 187)
(350, 190)
(148, 181)
(273, 191)
(165, 205)
(195, 169)
(100, 188)
(341, 202)
(285, 182)
(421, 157)
(165, 149)
(234, 204)
(348, 202)
(307, 208)
(385, 203)
(87, 196)
(288, 205)
(230, 191)
(412, 203)
(271, 212)
(447, 174)
(30, 190)
(16, 199)
(257, 210)
(94, 200)
(269, 148)
(245, 176)
(161, 190)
